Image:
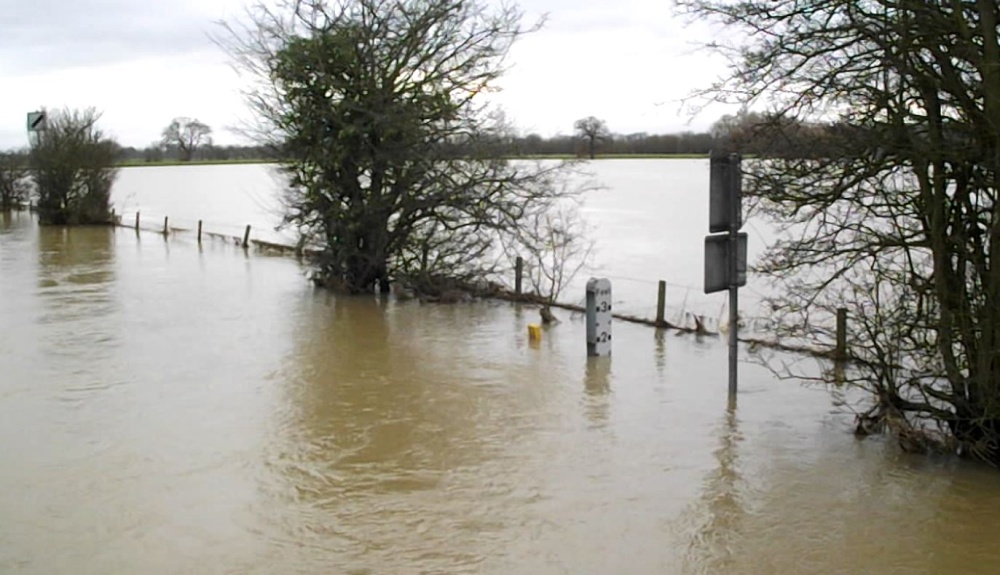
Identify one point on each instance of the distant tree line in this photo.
(747, 133)
(641, 143)
(187, 139)
(615, 144)
(158, 152)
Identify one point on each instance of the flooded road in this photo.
(166, 408)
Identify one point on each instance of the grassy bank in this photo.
(164, 163)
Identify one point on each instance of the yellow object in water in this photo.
(534, 332)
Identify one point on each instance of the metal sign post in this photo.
(36, 124)
(734, 297)
(726, 255)
(37, 121)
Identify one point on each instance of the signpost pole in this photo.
(734, 290)
(725, 253)
(733, 316)
(733, 337)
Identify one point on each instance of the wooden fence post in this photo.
(199, 231)
(518, 274)
(137, 221)
(166, 230)
(246, 237)
(661, 302)
(841, 351)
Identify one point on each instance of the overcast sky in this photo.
(144, 62)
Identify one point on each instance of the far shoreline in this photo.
(172, 163)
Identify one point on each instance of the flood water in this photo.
(170, 408)
(647, 219)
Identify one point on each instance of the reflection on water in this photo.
(721, 507)
(842, 506)
(165, 409)
(75, 273)
(389, 429)
(370, 393)
(76, 276)
(661, 349)
(6, 221)
(598, 385)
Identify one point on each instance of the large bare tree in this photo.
(186, 135)
(894, 211)
(395, 163)
(592, 131)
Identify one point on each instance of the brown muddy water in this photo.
(166, 408)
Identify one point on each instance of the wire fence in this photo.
(684, 304)
(685, 307)
(257, 234)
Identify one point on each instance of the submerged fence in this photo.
(656, 309)
(260, 235)
(653, 302)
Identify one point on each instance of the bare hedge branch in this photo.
(889, 206)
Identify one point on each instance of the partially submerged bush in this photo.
(73, 165)
(14, 183)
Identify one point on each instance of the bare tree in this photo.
(14, 182)
(895, 212)
(593, 131)
(734, 132)
(560, 252)
(73, 166)
(394, 162)
(557, 250)
(187, 135)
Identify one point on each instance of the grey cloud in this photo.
(48, 35)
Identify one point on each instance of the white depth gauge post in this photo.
(598, 317)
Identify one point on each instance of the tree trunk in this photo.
(383, 282)
(368, 266)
